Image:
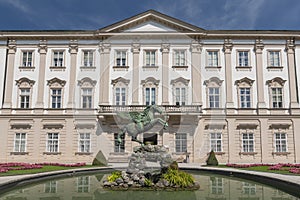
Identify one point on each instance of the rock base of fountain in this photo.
(139, 177)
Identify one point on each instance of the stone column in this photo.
(73, 49)
(135, 48)
(227, 48)
(196, 49)
(42, 68)
(290, 49)
(165, 49)
(258, 48)
(9, 82)
(104, 73)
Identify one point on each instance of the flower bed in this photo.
(292, 168)
(5, 167)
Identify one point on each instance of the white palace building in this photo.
(232, 91)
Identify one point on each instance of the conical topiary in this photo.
(212, 160)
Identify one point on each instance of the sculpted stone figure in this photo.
(139, 122)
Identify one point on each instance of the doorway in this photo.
(150, 138)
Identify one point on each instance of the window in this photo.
(150, 58)
(24, 98)
(88, 58)
(56, 98)
(212, 58)
(50, 187)
(274, 58)
(216, 142)
(150, 96)
(83, 184)
(249, 188)
(119, 147)
(180, 96)
(179, 58)
(248, 142)
(58, 58)
(120, 96)
(121, 58)
(20, 142)
(87, 97)
(243, 58)
(52, 142)
(216, 185)
(280, 142)
(27, 58)
(214, 97)
(181, 142)
(245, 98)
(84, 142)
(277, 97)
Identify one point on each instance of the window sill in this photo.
(248, 153)
(23, 68)
(118, 153)
(85, 68)
(83, 153)
(213, 68)
(243, 68)
(120, 68)
(19, 153)
(274, 68)
(281, 153)
(218, 153)
(56, 68)
(181, 153)
(150, 68)
(176, 67)
(52, 153)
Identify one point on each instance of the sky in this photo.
(95, 14)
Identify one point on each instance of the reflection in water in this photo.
(88, 188)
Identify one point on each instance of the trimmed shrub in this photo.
(212, 160)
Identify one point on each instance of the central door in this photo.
(150, 138)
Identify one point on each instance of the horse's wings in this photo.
(127, 116)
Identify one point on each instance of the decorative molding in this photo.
(135, 48)
(196, 46)
(120, 79)
(213, 80)
(104, 47)
(227, 46)
(12, 46)
(151, 80)
(165, 48)
(180, 79)
(25, 80)
(244, 80)
(259, 46)
(290, 46)
(278, 80)
(56, 80)
(87, 80)
(73, 47)
(42, 47)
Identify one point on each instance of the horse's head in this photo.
(155, 108)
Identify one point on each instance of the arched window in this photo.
(87, 92)
(244, 91)
(213, 92)
(276, 92)
(120, 88)
(56, 92)
(180, 91)
(150, 90)
(25, 92)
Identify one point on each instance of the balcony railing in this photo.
(106, 109)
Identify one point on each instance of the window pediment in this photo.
(149, 81)
(213, 82)
(87, 82)
(120, 80)
(56, 82)
(25, 82)
(244, 82)
(275, 82)
(180, 80)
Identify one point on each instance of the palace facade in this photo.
(235, 92)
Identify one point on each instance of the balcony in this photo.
(169, 109)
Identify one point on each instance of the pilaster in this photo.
(104, 73)
(135, 48)
(12, 47)
(42, 48)
(196, 50)
(258, 49)
(165, 49)
(227, 48)
(73, 49)
(290, 50)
